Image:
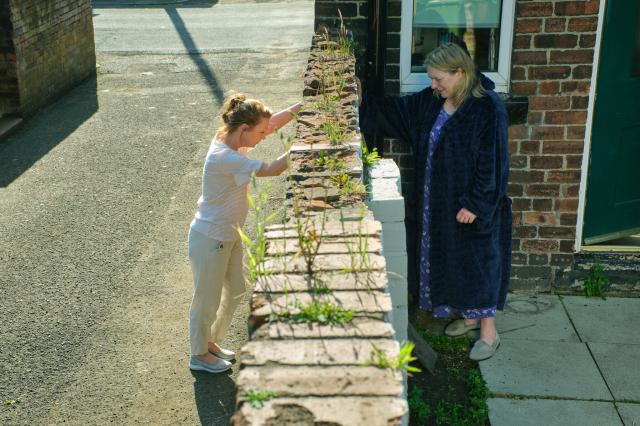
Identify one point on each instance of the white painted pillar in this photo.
(387, 204)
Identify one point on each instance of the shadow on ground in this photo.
(150, 4)
(215, 396)
(45, 130)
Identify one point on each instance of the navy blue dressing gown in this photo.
(468, 264)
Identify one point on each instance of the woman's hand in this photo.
(465, 216)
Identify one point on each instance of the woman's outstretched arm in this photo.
(279, 119)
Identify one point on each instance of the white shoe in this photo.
(225, 354)
(218, 367)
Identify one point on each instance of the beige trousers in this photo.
(218, 287)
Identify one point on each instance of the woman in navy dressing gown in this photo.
(457, 129)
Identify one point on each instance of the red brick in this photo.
(574, 161)
(513, 147)
(514, 190)
(575, 132)
(534, 9)
(526, 176)
(538, 259)
(570, 190)
(518, 259)
(568, 219)
(540, 246)
(518, 73)
(565, 117)
(517, 219)
(528, 57)
(562, 147)
(557, 232)
(534, 117)
(582, 72)
(535, 218)
(549, 87)
(525, 232)
(564, 176)
(555, 25)
(522, 42)
(583, 24)
(579, 102)
(576, 87)
(529, 147)
(555, 41)
(554, 72)
(573, 8)
(528, 26)
(549, 102)
(571, 57)
(567, 205)
(515, 244)
(546, 162)
(518, 162)
(542, 190)
(542, 204)
(562, 260)
(587, 40)
(547, 133)
(521, 204)
(524, 88)
(519, 131)
(567, 246)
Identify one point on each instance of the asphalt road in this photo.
(96, 194)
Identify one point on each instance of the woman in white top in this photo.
(215, 249)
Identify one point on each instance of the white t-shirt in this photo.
(223, 206)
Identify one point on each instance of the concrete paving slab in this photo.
(613, 320)
(551, 412)
(536, 368)
(535, 317)
(619, 366)
(630, 413)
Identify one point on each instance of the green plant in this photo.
(349, 187)
(13, 402)
(315, 312)
(419, 409)
(596, 282)
(369, 158)
(319, 287)
(257, 249)
(257, 398)
(334, 131)
(401, 362)
(332, 162)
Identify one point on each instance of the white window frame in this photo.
(414, 82)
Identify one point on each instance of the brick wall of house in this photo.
(54, 48)
(8, 79)
(552, 59)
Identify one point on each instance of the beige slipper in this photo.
(459, 328)
(482, 350)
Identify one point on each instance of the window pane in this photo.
(474, 23)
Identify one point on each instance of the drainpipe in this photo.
(376, 56)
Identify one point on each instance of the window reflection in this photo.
(473, 23)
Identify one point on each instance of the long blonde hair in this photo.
(449, 58)
(238, 110)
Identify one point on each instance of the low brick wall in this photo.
(54, 48)
(329, 250)
(9, 99)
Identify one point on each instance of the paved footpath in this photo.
(566, 360)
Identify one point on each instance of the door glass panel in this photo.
(474, 23)
(635, 61)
